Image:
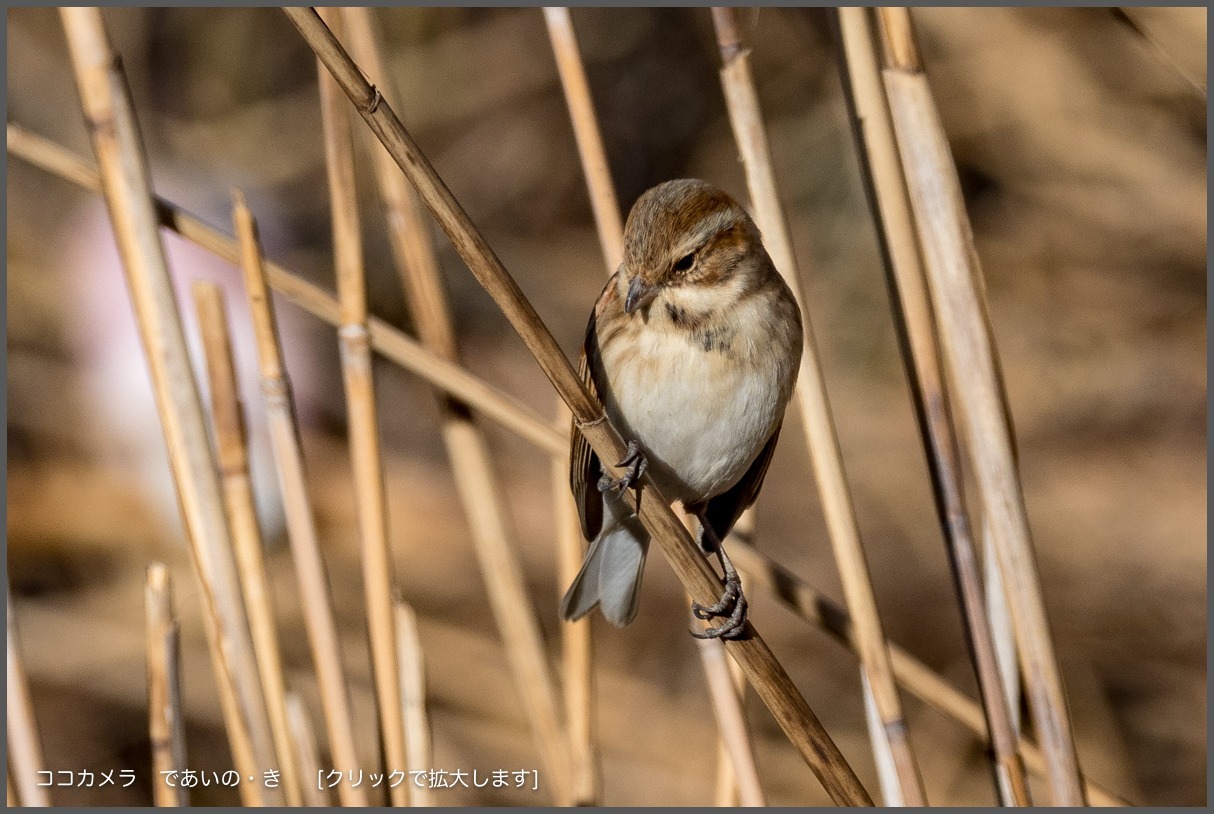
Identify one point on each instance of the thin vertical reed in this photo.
(586, 132)
(126, 184)
(314, 795)
(166, 723)
(363, 422)
(891, 744)
(735, 741)
(731, 721)
(577, 645)
(231, 447)
(815, 608)
(315, 599)
(913, 315)
(480, 493)
(26, 761)
(418, 739)
(769, 678)
(954, 276)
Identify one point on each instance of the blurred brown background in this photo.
(1082, 149)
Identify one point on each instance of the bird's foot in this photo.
(731, 606)
(636, 463)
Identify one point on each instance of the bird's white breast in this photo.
(702, 415)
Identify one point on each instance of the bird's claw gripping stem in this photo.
(731, 606)
(636, 463)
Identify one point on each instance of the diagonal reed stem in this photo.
(765, 672)
(493, 537)
(365, 454)
(954, 280)
(166, 722)
(913, 316)
(231, 447)
(26, 761)
(110, 116)
(891, 743)
(814, 607)
(315, 599)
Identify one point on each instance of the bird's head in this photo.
(689, 244)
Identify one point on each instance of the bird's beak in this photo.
(640, 294)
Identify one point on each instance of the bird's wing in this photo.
(584, 466)
(724, 510)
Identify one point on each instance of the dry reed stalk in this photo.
(819, 610)
(899, 772)
(764, 671)
(586, 132)
(954, 275)
(576, 636)
(418, 739)
(577, 645)
(386, 340)
(731, 721)
(916, 677)
(306, 752)
(315, 599)
(915, 321)
(365, 453)
(126, 185)
(25, 756)
(576, 642)
(734, 743)
(231, 446)
(166, 724)
(494, 539)
(1001, 627)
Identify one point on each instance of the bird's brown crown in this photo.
(686, 231)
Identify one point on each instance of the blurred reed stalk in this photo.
(814, 607)
(231, 445)
(110, 116)
(494, 539)
(735, 741)
(25, 756)
(166, 722)
(731, 721)
(418, 738)
(576, 644)
(913, 317)
(363, 422)
(316, 603)
(954, 280)
(765, 672)
(309, 756)
(897, 768)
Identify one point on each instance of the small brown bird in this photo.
(693, 347)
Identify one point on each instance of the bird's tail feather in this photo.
(611, 574)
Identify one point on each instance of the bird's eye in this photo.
(685, 263)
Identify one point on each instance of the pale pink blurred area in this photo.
(124, 430)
